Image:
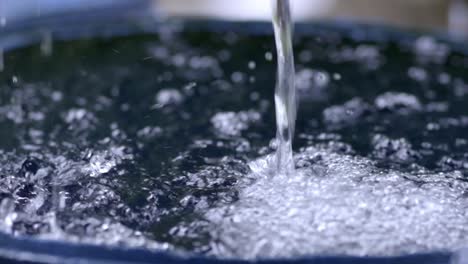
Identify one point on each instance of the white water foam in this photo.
(341, 204)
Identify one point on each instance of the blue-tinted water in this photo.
(285, 91)
(154, 141)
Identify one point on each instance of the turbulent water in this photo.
(153, 141)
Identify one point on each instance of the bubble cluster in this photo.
(350, 111)
(340, 204)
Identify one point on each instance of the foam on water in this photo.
(342, 204)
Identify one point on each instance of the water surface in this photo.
(162, 142)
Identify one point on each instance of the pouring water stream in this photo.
(285, 94)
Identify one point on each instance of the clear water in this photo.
(154, 141)
(285, 92)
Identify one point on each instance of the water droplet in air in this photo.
(252, 65)
(46, 43)
(336, 76)
(2, 64)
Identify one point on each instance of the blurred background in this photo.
(440, 15)
(445, 15)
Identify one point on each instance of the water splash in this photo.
(341, 204)
(285, 94)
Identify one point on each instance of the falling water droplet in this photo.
(3, 19)
(46, 43)
(2, 64)
(58, 204)
(38, 8)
